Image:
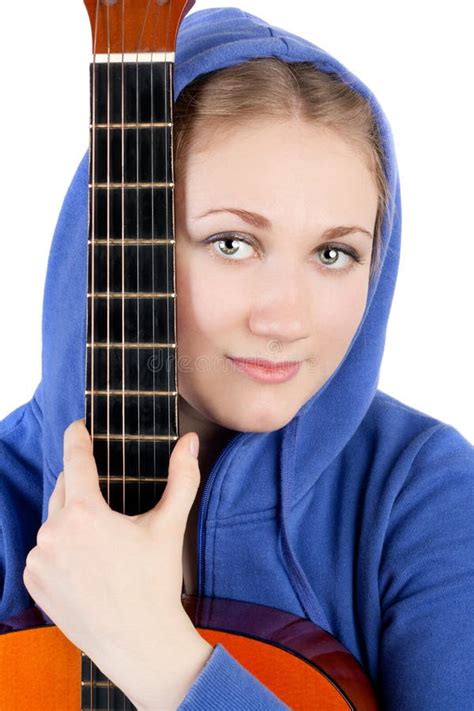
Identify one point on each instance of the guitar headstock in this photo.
(135, 25)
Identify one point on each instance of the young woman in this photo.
(324, 496)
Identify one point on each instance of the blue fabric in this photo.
(225, 684)
(362, 506)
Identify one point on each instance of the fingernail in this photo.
(194, 445)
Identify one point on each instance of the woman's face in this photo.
(283, 290)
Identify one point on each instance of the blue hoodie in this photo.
(361, 505)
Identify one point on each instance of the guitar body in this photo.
(302, 664)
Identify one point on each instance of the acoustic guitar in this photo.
(131, 395)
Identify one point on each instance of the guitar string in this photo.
(137, 252)
(122, 233)
(167, 104)
(152, 153)
(92, 253)
(108, 275)
(138, 245)
(152, 206)
(122, 209)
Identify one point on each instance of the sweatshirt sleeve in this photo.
(427, 582)
(226, 684)
(21, 499)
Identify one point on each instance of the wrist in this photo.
(186, 661)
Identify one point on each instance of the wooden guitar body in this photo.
(302, 664)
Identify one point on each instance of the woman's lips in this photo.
(267, 371)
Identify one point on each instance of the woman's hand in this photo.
(112, 583)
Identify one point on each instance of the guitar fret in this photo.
(131, 345)
(133, 58)
(94, 683)
(145, 479)
(135, 438)
(130, 185)
(138, 295)
(132, 242)
(117, 479)
(161, 124)
(130, 393)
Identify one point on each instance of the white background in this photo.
(416, 57)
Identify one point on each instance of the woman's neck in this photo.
(212, 437)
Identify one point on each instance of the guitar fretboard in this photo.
(131, 393)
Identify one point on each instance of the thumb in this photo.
(183, 480)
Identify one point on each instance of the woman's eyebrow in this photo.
(256, 220)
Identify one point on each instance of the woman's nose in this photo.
(280, 307)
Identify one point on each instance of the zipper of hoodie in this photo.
(203, 507)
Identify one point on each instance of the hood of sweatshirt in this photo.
(290, 460)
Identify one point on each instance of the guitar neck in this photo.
(131, 393)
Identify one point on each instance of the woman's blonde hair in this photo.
(269, 87)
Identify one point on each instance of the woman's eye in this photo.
(332, 255)
(231, 246)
